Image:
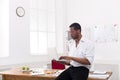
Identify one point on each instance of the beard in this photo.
(75, 37)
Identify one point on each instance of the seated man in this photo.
(80, 56)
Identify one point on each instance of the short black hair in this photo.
(76, 26)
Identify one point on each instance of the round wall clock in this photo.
(20, 11)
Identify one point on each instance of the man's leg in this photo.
(79, 73)
(65, 75)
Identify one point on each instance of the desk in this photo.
(16, 74)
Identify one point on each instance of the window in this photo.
(42, 26)
(4, 28)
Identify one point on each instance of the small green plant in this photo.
(25, 68)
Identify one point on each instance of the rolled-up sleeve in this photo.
(89, 53)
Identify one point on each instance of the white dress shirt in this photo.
(85, 49)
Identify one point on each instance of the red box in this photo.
(57, 65)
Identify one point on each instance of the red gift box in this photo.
(57, 65)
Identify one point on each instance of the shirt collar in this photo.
(82, 40)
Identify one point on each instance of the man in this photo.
(80, 56)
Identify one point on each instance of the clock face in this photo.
(20, 11)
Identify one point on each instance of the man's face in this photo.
(74, 33)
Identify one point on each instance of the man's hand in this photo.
(79, 60)
(65, 57)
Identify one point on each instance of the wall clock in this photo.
(20, 11)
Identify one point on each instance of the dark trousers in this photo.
(74, 73)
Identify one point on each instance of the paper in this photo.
(37, 70)
(37, 73)
(105, 76)
(99, 72)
